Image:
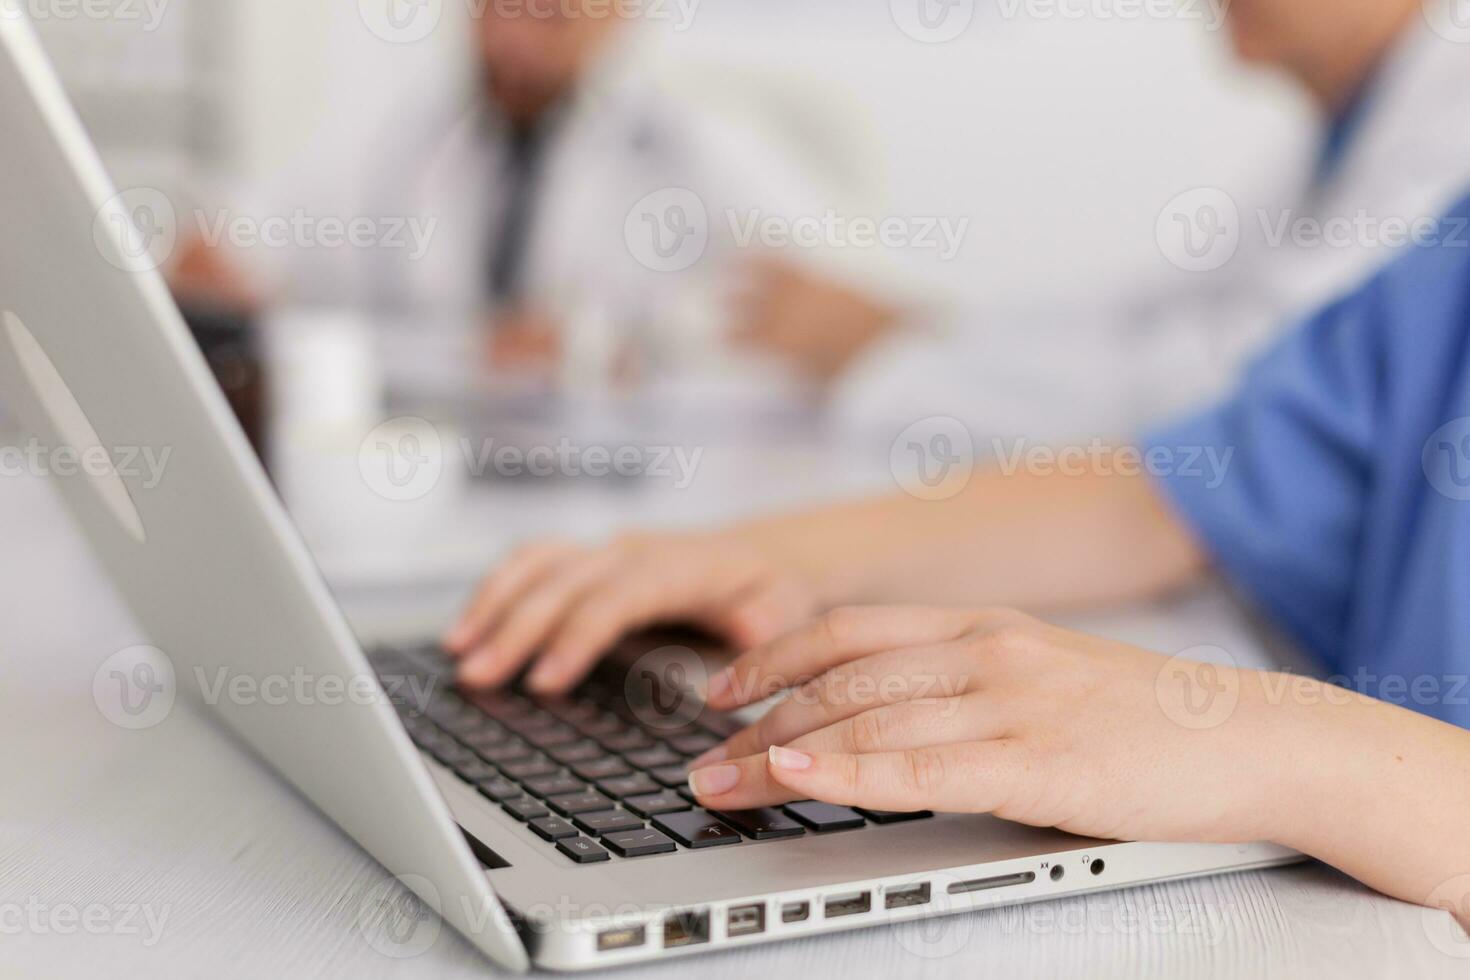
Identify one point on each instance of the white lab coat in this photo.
(627, 134)
(1109, 373)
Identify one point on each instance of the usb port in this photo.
(686, 929)
(621, 939)
(853, 904)
(906, 895)
(745, 920)
(796, 911)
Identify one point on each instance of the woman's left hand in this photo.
(994, 712)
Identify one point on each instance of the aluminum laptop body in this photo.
(93, 353)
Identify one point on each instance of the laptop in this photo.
(557, 834)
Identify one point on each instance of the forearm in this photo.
(1382, 794)
(1033, 541)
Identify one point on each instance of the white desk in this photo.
(104, 826)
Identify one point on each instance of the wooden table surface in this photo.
(170, 852)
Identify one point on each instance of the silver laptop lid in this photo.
(94, 355)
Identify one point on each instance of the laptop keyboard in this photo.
(590, 774)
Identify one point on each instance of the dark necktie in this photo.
(511, 237)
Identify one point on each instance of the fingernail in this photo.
(789, 759)
(544, 681)
(713, 782)
(720, 685)
(717, 754)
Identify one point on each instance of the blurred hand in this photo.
(566, 605)
(994, 712)
(525, 343)
(816, 325)
(205, 276)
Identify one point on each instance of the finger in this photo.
(965, 777)
(746, 781)
(923, 673)
(758, 615)
(836, 637)
(499, 587)
(597, 622)
(739, 784)
(533, 616)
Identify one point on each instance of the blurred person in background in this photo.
(583, 203)
(1394, 95)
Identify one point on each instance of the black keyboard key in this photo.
(475, 770)
(558, 784)
(582, 850)
(499, 789)
(486, 738)
(534, 765)
(626, 740)
(554, 737)
(607, 821)
(524, 808)
(894, 816)
(671, 776)
(583, 750)
(622, 787)
(503, 706)
(573, 712)
(552, 828)
(503, 752)
(638, 843)
(594, 769)
(601, 726)
(656, 803)
(695, 743)
(695, 828)
(659, 755)
(763, 823)
(452, 754)
(823, 817)
(586, 801)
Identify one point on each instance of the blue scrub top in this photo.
(1344, 510)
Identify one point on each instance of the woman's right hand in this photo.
(564, 605)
